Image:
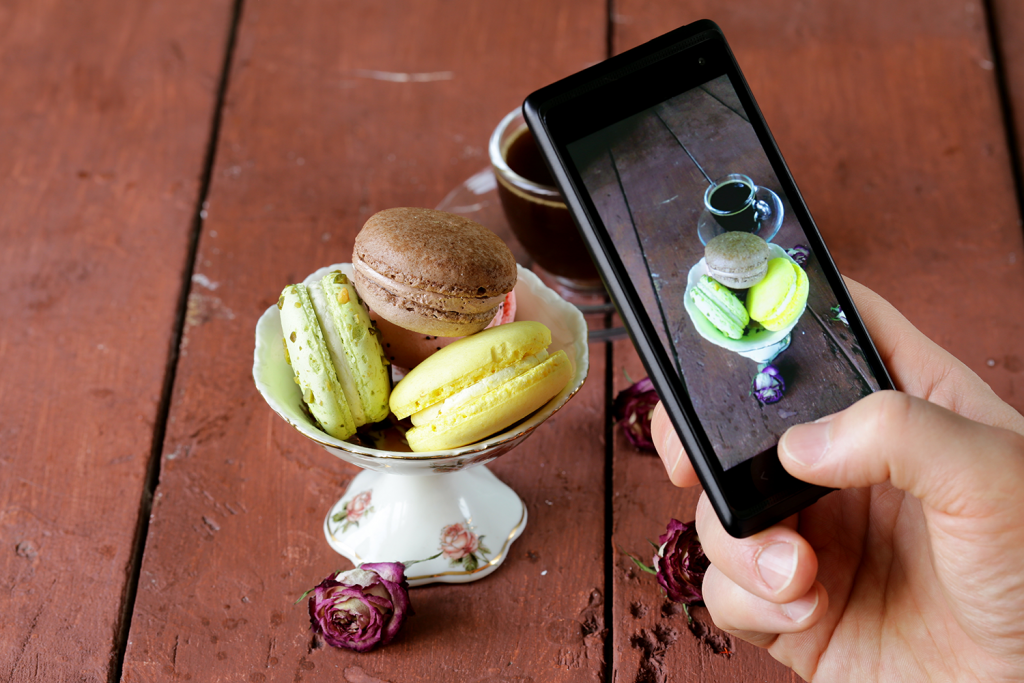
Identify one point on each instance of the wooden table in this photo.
(167, 166)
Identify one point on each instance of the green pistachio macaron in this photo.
(335, 354)
(721, 307)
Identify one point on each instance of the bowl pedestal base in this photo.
(468, 518)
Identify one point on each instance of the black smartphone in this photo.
(658, 152)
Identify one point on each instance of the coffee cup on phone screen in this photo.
(732, 201)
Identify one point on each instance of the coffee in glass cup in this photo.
(535, 209)
(733, 203)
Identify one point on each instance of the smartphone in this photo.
(658, 151)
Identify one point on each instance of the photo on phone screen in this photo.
(667, 180)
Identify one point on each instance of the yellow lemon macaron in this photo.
(479, 385)
(779, 298)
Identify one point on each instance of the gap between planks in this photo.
(1005, 105)
(123, 627)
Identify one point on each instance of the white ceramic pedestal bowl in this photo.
(410, 506)
(760, 347)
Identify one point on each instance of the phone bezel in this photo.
(752, 495)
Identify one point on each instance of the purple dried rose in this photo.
(633, 409)
(680, 563)
(800, 253)
(768, 385)
(362, 608)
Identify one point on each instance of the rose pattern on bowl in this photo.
(354, 510)
(460, 546)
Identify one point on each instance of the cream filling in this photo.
(473, 391)
(441, 302)
(336, 349)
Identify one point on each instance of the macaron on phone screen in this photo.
(703, 240)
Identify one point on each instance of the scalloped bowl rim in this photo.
(269, 354)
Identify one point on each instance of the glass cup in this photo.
(535, 209)
(733, 203)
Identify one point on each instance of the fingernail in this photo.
(776, 563)
(798, 610)
(806, 443)
(670, 451)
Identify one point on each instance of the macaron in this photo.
(737, 259)
(720, 306)
(334, 352)
(480, 385)
(432, 272)
(407, 349)
(779, 298)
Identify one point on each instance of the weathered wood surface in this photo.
(888, 115)
(1008, 27)
(652, 640)
(105, 112)
(321, 130)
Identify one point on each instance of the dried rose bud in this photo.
(840, 315)
(361, 608)
(768, 385)
(800, 253)
(680, 563)
(633, 409)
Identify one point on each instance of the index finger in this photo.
(671, 450)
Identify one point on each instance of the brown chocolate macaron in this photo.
(432, 272)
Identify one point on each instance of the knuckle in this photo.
(890, 413)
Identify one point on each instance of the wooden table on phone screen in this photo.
(168, 165)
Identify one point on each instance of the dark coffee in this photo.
(544, 227)
(735, 202)
(523, 157)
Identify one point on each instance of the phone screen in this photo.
(665, 181)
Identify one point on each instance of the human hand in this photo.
(915, 569)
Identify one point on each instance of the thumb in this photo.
(950, 463)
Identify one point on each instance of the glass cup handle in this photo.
(761, 210)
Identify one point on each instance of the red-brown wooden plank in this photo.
(1008, 20)
(890, 121)
(104, 125)
(652, 639)
(319, 131)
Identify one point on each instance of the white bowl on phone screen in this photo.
(761, 346)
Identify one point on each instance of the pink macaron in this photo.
(407, 349)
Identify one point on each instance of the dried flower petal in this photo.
(633, 409)
(768, 385)
(362, 608)
(800, 253)
(838, 314)
(680, 563)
